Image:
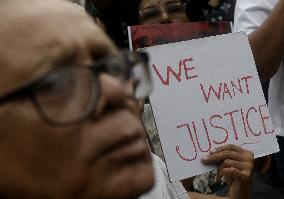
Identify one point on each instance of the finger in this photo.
(228, 180)
(245, 169)
(218, 176)
(235, 164)
(232, 163)
(229, 147)
(217, 158)
(235, 174)
(247, 155)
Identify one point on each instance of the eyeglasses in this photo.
(70, 93)
(173, 9)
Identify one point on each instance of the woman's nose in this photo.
(165, 18)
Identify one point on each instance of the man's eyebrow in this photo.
(63, 57)
(53, 61)
(99, 53)
(33, 77)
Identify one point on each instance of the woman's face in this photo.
(162, 11)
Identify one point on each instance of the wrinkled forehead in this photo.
(32, 31)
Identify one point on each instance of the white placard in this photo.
(207, 94)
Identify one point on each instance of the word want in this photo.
(212, 124)
(229, 89)
(182, 66)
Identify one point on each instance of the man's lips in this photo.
(126, 150)
(131, 150)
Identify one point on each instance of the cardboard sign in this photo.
(207, 94)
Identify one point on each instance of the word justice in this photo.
(204, 131)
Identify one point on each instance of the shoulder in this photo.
(250, 14)
(163, 188)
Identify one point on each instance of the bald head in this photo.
(34, 30)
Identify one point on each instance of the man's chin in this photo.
(132, 183)
(127, 183)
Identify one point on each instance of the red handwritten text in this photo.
(183, 65)
(227, 90)
(214, 124)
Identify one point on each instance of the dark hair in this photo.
(123, 13)
(194, 9)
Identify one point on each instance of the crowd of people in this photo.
(71, 115)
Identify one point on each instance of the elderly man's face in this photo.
(104, 156)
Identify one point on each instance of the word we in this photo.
(183, 66)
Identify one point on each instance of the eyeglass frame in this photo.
(96, 68)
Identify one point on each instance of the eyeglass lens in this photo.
(71, 93)
(67, 94)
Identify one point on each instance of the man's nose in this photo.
(114, 94)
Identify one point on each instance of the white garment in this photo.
(163, 189)
(249, 15)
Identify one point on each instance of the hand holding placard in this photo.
(236, 166)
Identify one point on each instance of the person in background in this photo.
(174, 11)
(117, 15)
(263, 22)
(197, 10)
(162, 12)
